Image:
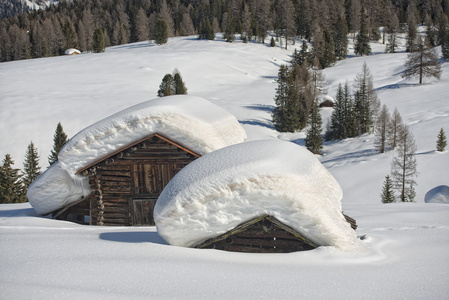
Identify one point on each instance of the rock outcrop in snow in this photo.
(192, 122)
(225, 188)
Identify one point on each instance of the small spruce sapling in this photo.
(441, 141)
(388, 195)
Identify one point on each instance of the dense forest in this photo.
(324, 23)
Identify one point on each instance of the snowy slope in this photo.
(49, 259)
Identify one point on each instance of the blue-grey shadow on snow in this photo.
(19, 212)
(133, 237)
(357, 154)
(396, 86)
(267, 108)
(266, 124)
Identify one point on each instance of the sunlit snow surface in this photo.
(49, 259)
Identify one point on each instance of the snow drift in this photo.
(192, 122)
(223, 189)
(439, 194)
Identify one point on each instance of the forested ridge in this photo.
(71, 24)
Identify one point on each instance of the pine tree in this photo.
(382, 130)
(282, 113)
(166, 86)
(179, 85)
(59, 140)
(11, 186)
(362, 46)
(98, 41)
(411, 33)
(161, 34)
(366, 103)
(342, 122)
(388, 194)
(341, 38)
(403, 166)
(31, 169)
(423, 62)
(314, 139)
(206, 32)
(441, 141)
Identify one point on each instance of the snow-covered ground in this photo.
(44, 258)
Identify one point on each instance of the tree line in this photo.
(324, 23)
(14, 182)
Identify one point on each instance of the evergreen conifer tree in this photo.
(31, 169)
(388, 194)
(341, 38)
(166, 86)
(161, 33)
(179, 85)
(366, 103)
(98, 41)
(11, 186)
(411, 33)
(284, 114)
(59, 140)
(206, 32)
(314, 139)
(441, 141)
(422, 63)
(403, 166)
(273, 43)
(362, 46)
(342, 123)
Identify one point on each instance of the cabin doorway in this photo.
(142, 211)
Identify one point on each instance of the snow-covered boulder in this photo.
(439, 194)
(192, 122)
(225, 188)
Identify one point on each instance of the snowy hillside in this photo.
(44, 258)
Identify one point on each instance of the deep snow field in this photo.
(43, 258)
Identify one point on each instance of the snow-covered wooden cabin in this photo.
(112, 172)
(266, 196)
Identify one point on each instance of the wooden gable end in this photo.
(265, 234)
(126, 184)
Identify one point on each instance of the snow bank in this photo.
(192, 122)
(439, 194)
(225, 188)
(54, 189)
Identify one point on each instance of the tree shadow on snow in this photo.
(357, 154)
(133, 237)
(266, 124)
(396, 86)
(261, 107)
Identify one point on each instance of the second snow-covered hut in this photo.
(112, 172)
(260, 196)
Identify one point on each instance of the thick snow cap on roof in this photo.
(54, 189)
(192, 122)
(225, 188)
(71, 51)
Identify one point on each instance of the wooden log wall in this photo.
(137, 174)
(266, 235)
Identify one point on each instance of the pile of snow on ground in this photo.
(192, 122)
(223, 189)
(439, 194)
